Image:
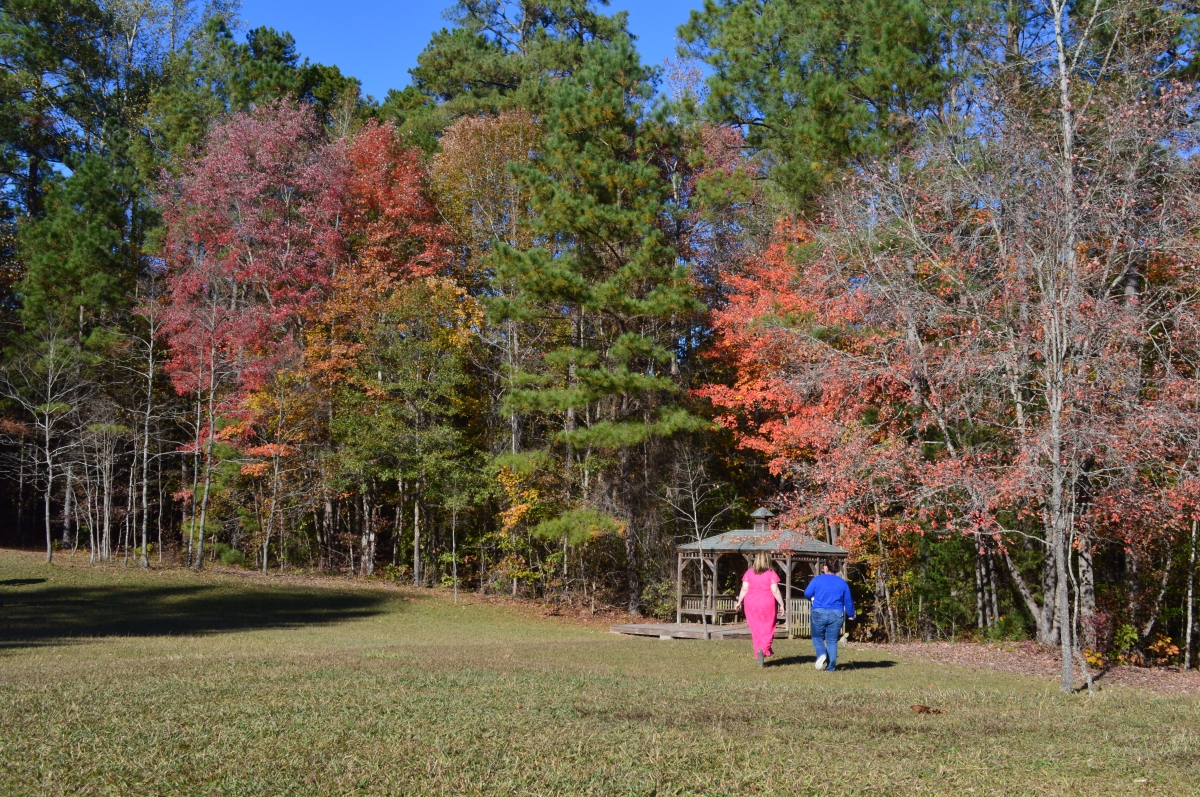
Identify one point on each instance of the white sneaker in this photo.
(820, 665)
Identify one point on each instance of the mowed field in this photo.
(120, 682)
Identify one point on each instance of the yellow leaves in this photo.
(475, 190)
(458, 314)
(510, 518)
(521, 500)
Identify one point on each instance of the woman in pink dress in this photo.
(760, 595)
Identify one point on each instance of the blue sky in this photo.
(377, 41)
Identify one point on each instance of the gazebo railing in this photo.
(720, 609)
(799, 618)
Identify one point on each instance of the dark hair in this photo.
(830, 564)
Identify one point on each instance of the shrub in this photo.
(1125, 643)
(658, 599)
(1007, 628)
(229, 555)
(1163, 650)
(233, 557)
(399, 575)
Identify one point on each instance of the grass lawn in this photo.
(129, 683)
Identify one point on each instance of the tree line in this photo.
(920, 275)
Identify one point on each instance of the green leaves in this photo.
(818, 83)
(501, 49)
(604, 279)
(79, 266)
(578, 526)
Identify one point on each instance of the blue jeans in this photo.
(826, 628)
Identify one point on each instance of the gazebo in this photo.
(787, 548)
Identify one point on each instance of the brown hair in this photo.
(761, 563)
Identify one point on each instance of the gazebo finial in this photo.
(761, 516)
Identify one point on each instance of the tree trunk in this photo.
(1031, 605)
(1058, 343)
(1131, 585)
(158, 522)
(454, 549)
(130, 532)
(991, 585)
(21, 488)
(1048, 627)
(1152, 620)
(416, 542)
(106, 505)
(881, 578)
(271, 514)
(1087, 592)
(979, 601)
(49, 491)
(146, 446)
(626, 503)
(1191, 576)
(208, 454)
(397, 524)
(368, 535)
(69, 538)
(327, 518)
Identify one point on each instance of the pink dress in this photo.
(759, 604)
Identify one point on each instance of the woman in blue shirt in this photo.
(831, 607)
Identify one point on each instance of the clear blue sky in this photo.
(378, 41)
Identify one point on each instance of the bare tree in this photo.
(697, 499)
(45, 381)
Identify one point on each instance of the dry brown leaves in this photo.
(1027, 658)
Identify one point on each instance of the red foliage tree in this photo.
(252, 242)
(969, 347)
(392, 234)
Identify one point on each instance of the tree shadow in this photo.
(21, 582)
(62, 614)
(788, 661)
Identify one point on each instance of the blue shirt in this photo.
(828, 591)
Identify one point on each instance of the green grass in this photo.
(128, 683)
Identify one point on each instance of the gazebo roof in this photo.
(770, 540)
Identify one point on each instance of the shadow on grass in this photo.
(789, 661)
(867, 665)
(21, 582)
(60, 614)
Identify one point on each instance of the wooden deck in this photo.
(690, 630)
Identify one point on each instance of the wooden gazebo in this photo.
(787, 549)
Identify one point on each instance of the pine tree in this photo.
(817, 83)
(606, 275)
(78, 264)
(496, 57)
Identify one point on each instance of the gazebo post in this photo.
(787, 604)
(704, 565)
(712, 586)
(678, 587)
